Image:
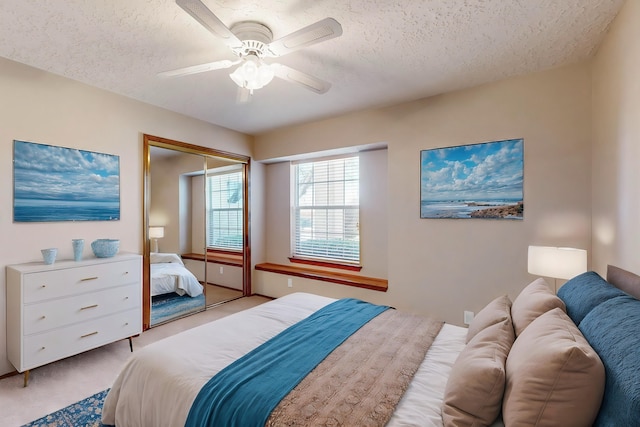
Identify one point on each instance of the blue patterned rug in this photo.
(169, 306)
(86, 413)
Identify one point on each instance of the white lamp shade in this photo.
(156, 232)
(559, 263)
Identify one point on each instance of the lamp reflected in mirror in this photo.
(155, 233)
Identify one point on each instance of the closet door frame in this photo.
(156, 141)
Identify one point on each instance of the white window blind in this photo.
(224, 211)
(326, 208)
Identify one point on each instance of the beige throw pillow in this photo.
(496, 311)
(536, 299)
(554, 377)
(474, 391)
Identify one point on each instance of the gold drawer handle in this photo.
(86, 279)
(89, 306)
(88, 335)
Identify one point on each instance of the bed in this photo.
(524, 362)
(168, 274)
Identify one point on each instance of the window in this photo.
(224, 210)
(326, 210)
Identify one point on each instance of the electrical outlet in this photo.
(468, 317)
(290, 282)
(221, 270)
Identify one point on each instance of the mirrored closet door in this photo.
(196, 225)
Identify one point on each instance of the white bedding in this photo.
(159, 383)
(168, 274)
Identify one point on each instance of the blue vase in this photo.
(78, 247)
(49, 255)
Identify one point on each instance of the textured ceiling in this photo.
(390, 51)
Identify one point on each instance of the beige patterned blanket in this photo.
(361, 382)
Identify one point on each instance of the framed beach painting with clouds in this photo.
(63, 184)
(473, 181)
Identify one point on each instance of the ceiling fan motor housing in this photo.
(254, 36)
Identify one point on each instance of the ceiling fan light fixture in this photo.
(252, 74)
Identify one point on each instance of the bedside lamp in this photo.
(558, 263)
(155, 233)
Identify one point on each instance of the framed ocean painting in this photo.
(473, 181)
(64, 184)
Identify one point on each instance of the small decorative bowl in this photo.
(105, 248)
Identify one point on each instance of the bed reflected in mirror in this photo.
(198, 200)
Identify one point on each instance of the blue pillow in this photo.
(584, 292)
(613, 330)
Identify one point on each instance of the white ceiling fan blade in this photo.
(321, 31)
(209, 66)
(207, 19)
(303, 79)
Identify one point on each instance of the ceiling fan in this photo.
(252, 42)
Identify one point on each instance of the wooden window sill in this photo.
(318, 263)
(327, 276)
(226, 259)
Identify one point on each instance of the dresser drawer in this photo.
(59, 283)
(39, 317)
(47, 347)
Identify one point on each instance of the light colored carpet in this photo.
(54, 386)
(217, 294)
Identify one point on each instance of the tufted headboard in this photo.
(624, 280)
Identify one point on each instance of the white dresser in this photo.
(56, 311)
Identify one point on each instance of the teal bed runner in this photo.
(245, 393)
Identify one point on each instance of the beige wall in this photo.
(442, 267)
(616, 145)
(171, 201)
(230, 276)
(40, 107)
(257, 216)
